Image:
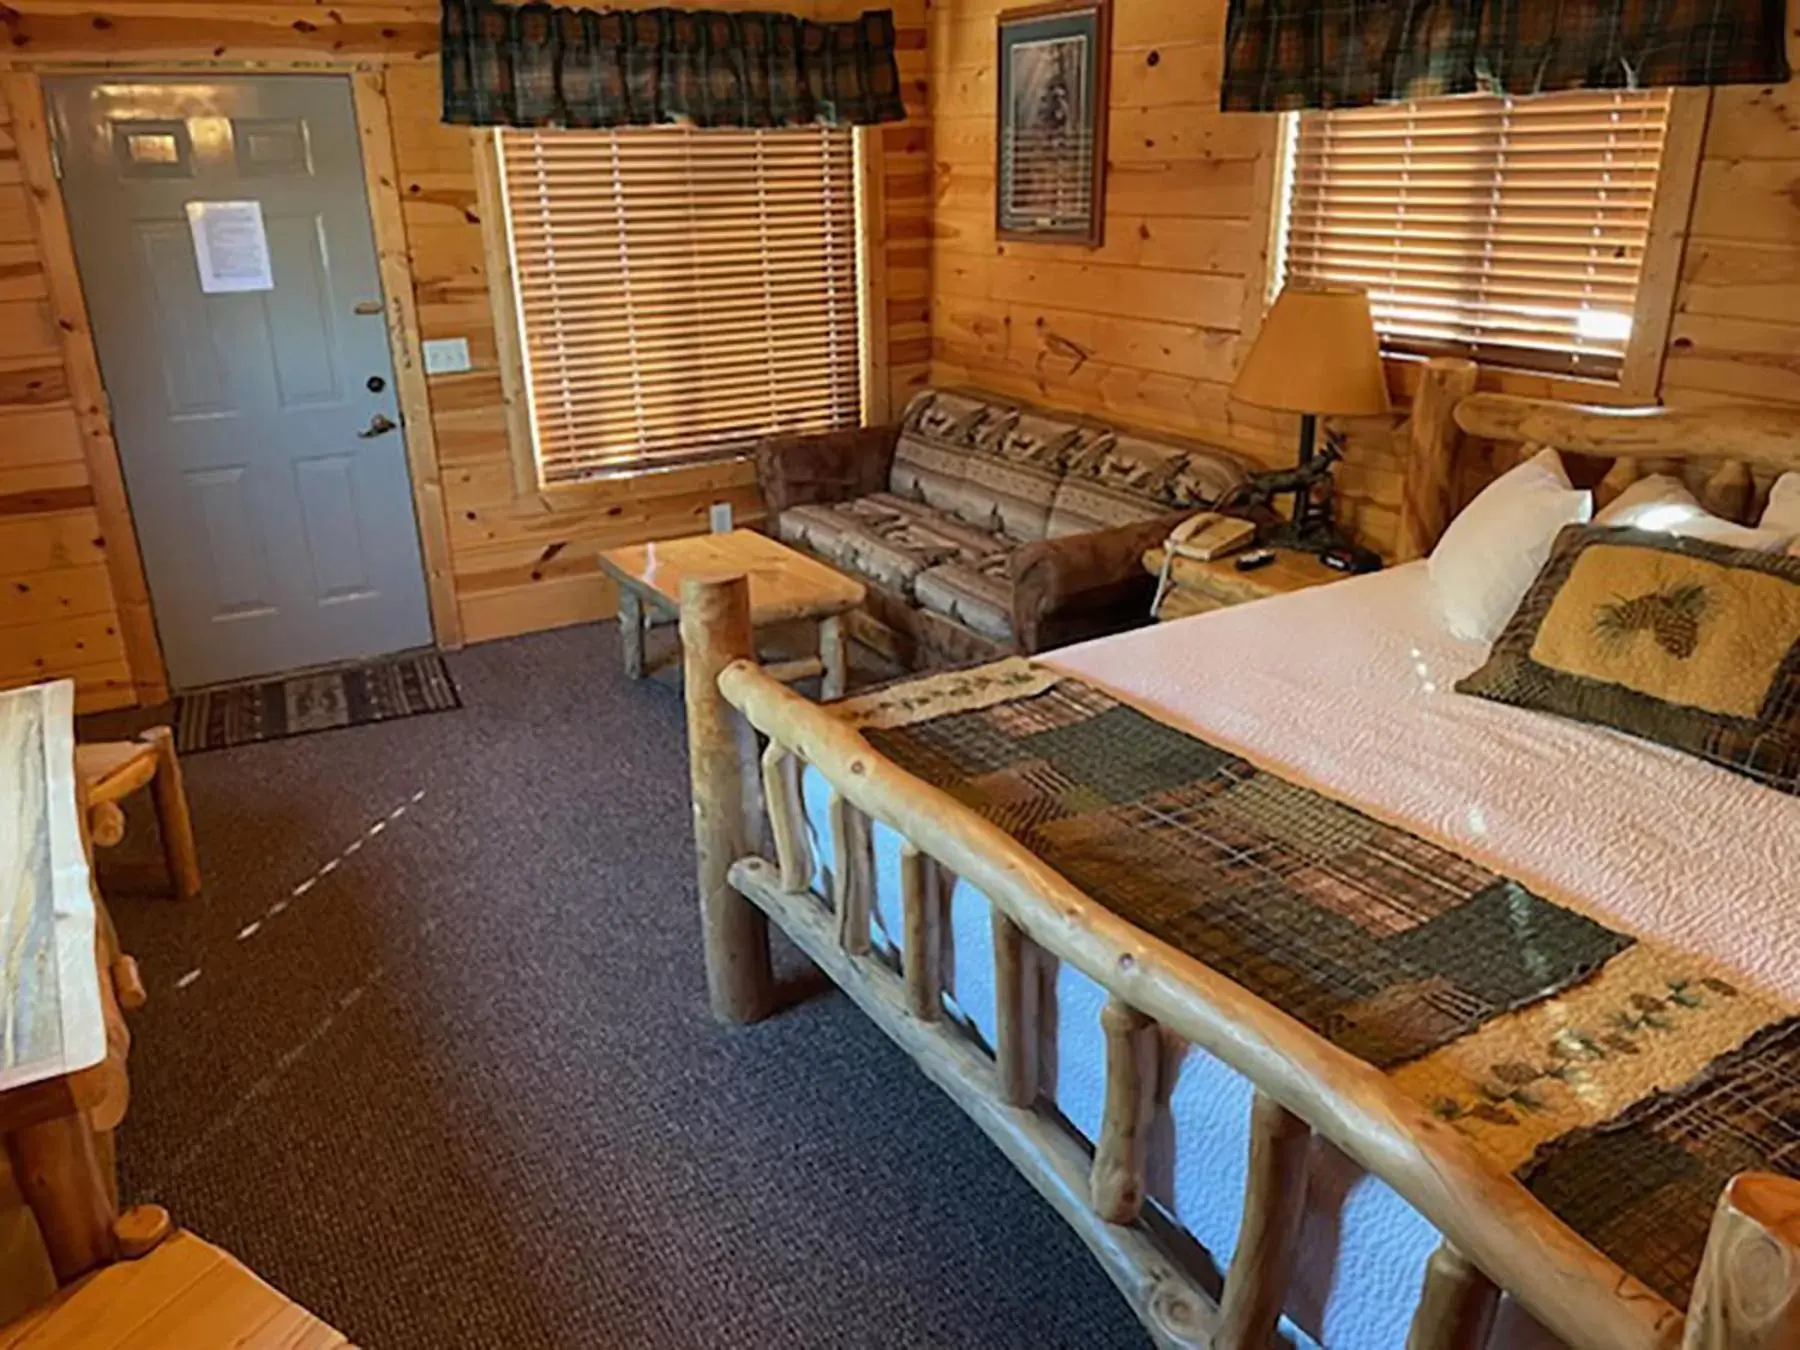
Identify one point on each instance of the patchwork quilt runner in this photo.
(1623, 1082)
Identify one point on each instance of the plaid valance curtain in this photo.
(1283, 54)
(544, 65)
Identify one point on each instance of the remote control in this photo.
(1254, 559)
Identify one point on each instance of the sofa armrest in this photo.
(834, 466)
(1084, 585)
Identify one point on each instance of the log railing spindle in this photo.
(1456, 1307)
(921, 905)
(1274, 1203)
(1015, 1012)
(853, 880)
(781, 790)
(1133, 1049)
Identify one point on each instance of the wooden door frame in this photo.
(22, 85)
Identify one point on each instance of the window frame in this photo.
(510, 346)
(1640, 375)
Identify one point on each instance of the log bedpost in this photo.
(715, 631)
(1456, 1307)
(1274, 1203)
(1015, 1012)
(1747, 1296)
(1429, 499)
(1116, 1185)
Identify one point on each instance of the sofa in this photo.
(982, 527)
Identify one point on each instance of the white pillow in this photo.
(1783, 511)
(1495, 548)
(1663, 505)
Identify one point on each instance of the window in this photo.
(1511, 230)
(681, 293)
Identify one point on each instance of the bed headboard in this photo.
(1718, 450)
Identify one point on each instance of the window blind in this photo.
(681, 292)
(1511, 230)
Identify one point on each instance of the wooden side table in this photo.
(785, 585)
(1200, 587)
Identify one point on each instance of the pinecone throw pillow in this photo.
(1691, 644)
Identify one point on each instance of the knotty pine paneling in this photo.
(520, 561)
(57, 614)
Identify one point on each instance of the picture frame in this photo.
(1053, 73)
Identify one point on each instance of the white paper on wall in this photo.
(231, 247)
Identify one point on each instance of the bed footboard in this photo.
(1496, 1234)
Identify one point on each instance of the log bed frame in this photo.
(1496, 1236)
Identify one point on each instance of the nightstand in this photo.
(1197, 587)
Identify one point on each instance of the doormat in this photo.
(320, 700)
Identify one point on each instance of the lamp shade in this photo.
(1316, 353)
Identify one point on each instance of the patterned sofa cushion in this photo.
(886, 539)
(978, 596)
(937, 435)
(1012, 477)
(1126, 479)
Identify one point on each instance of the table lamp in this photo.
(1317, 356)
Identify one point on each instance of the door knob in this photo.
(379, 425)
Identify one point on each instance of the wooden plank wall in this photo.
(57, 613)
(520, 561)
(1146, 329)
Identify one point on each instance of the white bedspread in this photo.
(1348, 688)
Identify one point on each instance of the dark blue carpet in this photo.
(463, 1090)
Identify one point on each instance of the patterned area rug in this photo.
(268, 710)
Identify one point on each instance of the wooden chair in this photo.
(110, 771)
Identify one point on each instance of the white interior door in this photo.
(223, 235)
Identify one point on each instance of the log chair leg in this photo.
(715, 631)
(172, 816)
(834, 655)
(63, 1178)
(1457, 1306)
(1274, 1203)
(1747, 1295)
(1116, 1185)
(1015, 1012)
(631, 632)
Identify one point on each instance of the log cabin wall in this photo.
(520, 561)
(1147, 328)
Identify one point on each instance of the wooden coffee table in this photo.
(785, 586)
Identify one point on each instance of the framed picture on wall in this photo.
(1050, 169)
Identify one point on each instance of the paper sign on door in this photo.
(230, 246)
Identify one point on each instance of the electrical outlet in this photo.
(446, 356)
(721, 517)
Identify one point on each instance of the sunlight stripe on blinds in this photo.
(682, 292)
(1511, 230)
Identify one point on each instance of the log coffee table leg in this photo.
(835, 656)
(631, 632)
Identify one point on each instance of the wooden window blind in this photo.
(681, 292)
(1510, 230)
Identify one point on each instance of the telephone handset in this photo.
(1202, 537)
(1209, 535)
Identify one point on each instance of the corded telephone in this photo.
(1201, 537)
